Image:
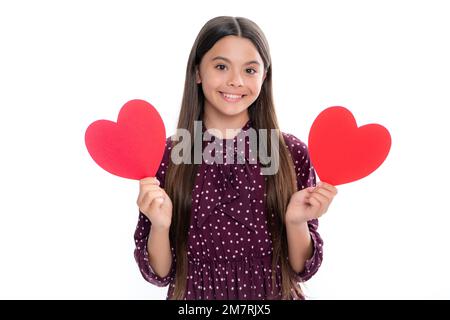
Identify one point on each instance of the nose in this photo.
(235, 79)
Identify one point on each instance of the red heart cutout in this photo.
(340, 151)
(131, 148)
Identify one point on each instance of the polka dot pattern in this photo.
(229, 243)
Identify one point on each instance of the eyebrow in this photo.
(228, 60)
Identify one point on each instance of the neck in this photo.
(221, 122)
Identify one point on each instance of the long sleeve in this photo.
(306, 177)
(143, 230)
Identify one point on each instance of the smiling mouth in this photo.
(231, 97)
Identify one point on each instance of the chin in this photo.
(234, 112)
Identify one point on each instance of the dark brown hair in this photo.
(180, 178)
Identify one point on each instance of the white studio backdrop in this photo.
(66, 226)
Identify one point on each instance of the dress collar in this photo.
(227, 144)
(246, 126)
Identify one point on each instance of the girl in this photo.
(221, 231)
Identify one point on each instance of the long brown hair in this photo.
(180, 178)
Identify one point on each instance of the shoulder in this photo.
(296, 146)
(167, 149)
(302, 162)
(169, 142)
(161, 173)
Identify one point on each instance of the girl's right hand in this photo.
(154, 203)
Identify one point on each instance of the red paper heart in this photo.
(131, 148)
(340, 151)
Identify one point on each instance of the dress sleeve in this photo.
(306, 177)
(143, 230)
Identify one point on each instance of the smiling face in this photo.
(231, 74)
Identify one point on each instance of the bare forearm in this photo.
(159, 254)
(300, 245)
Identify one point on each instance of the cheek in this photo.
(207, 86)
(255, 87)
(212, 81)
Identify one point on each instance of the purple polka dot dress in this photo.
(229, 242)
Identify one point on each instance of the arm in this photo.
(311, 265)
(307, 205)
(300, 245)
(159, 254)
(304, 209)
(305, 245)
(153, 248)
(141, 253)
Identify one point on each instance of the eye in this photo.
(252, 71)
(219, 66)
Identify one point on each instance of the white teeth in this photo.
(231, 96)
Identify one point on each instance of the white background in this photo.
(66, 226)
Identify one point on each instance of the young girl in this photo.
(214, 230)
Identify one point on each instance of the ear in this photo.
(264, 76)
(198, 80)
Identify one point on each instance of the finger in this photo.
(328, 187)
(163, 191)
(320, 198)
(149, 180)
(308, 201)
(154, 205)
(155, 194)
(328, 194)
(320, 208)
(166, 199)
(149, 187)
(146, 188)
(166, 196)
(324, 201)
(315, 203)
(149, 196)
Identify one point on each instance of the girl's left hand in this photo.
(310, 203)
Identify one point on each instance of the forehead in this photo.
(236, 49)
